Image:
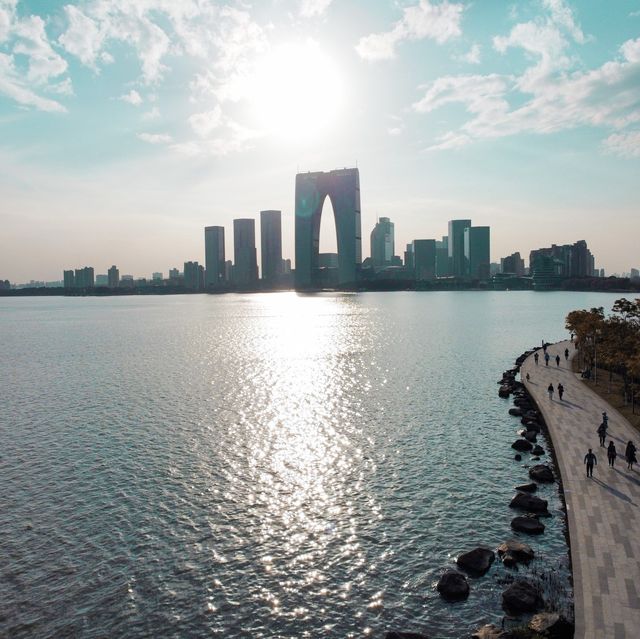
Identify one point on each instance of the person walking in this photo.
(605, 418)
(602, 433)
(611, 453)
(630, 454)
(560, 391)
(590, 459)
(550, 391)
(535, 357)
(544, 347)
(558, 361)
(566, 354)
(546, 359)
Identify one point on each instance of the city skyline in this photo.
(125, 130)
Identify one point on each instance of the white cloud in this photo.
(14, 87)
(311, 8)
(473, 55)
(7, 11)
(624, 144)
(153, 114)
(155, 138)
(32, 41)
(83, 38)
(205, 123)
(439, 22)
(450, 141)
(608, 96)
(133, 97)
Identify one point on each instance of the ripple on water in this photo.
(270, 465)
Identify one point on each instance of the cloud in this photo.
(608, 96)
(439, 22)
(205, 123)
(473, 55)
(155, 138)
(153, 114)
(83, 38)
(14, 87)
(311, 8)
(624, 144)
(133, 97)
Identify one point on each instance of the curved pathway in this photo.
(603, 512)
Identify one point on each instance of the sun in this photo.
(298, 92)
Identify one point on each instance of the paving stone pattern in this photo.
(603, 511)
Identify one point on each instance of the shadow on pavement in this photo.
(613, 491)
(627, 475)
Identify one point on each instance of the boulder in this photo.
(528, 525)
(504, 391)
(535, 459)
(537, 450)
(516, 412)
(453, 586)
(520, 597)
(522, 445)
(518, 457)
(534, 426)
(476, 561)
(489, 632)
(542, 473)
(533, 504)
(552, 625)
(397, 634)
(527, 488)
(521, 553)
(531, 436)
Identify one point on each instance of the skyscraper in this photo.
(382, 243)
(69, 279)
(271, 245)
(424, 258)
(193, 276)
(84, 277)
(456, 246)
(408, 258)
(245, 268)
(442, 257)
(214, 256)
(477, 252)
(512, 264)
(114, 277)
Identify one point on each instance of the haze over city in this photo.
(125, 128)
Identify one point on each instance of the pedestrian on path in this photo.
(611, 453)
(602, 433)
(566, 354)
(590, 459)
(572, 337)
(550, 391)
(535, 357)
(558, 361)
(546, 358)
(544, 347)
(560, 391)
(605, 418)
(630, 454)
(528, 377)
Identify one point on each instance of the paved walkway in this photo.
(603, 512)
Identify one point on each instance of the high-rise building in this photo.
(457, 263)
(634, 273)
(102, 279)
(512, 264)
(271, 245)
(442, 258)
(69, 279)
(382, 243)
(156, 277)
(424, 258)
(574, 260)
(245, 267)
(408, 258)
(214, 256)
(114, 277)
(193, 276)
(477, 252)
(174, 275)
(84, 277)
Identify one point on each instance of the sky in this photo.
(126, 127)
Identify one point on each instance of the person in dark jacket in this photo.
(611, 453)
(630, 454)
(590, 459)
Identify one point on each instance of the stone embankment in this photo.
(523, 596)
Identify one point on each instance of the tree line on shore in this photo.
(611, 343)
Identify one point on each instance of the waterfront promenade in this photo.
(603, 512)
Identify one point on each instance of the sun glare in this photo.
(298, 92)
